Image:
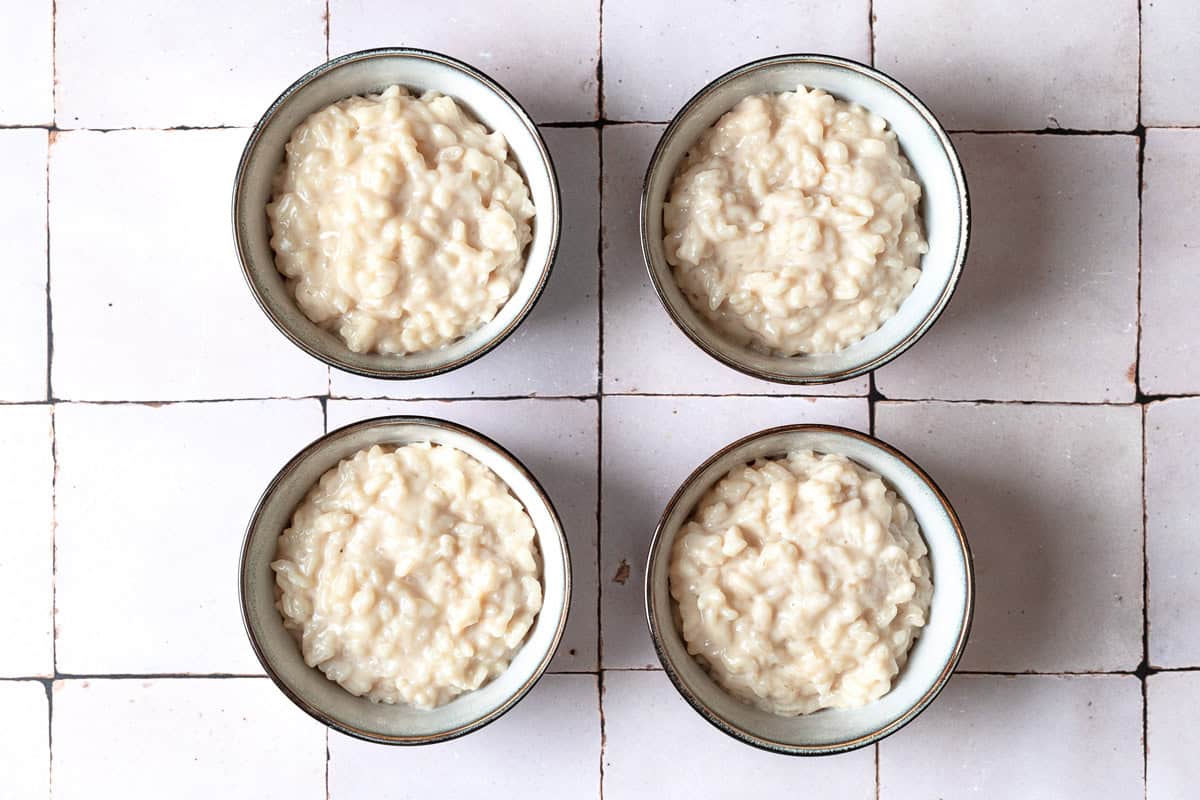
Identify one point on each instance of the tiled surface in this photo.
(1173, 531)
(996, 65)
(145, 402)
(1050, 498)
(552, 738)
(1172, 737)
(183, 738)
(1032, 736)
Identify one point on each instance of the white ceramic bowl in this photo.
(932, 658)
(362, 73)
(327, 701)
(944, 206)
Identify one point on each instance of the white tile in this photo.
(23, 231)
(151, 507)
(1046, 308)
(650, 445)
(183, 738)
(657, 746)
(25, 740)
(1170, 263)
(1032, 737)
(149, 302)
(997, 65)
(657, 55)
(26, 540)
(1170, 62)
(1172, 737)
(1050, 498)
(556, 350)
(644, 352)
(121, 64)
(1173, 531)
(548, 745)
(26, 62)
(557, 440)
(545, 54)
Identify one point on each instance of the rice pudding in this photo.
(409, 575)
(793, 224)
(801, 583)
(399, 221)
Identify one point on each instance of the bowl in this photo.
(325, 700)
(944, 204)
(366, 72)
(932, 658)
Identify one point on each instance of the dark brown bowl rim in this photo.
(554, 214)
(320, 715)
(740, 733)
(964, 232)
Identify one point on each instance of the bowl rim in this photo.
(553, 214)
(744, 735)
(964, 225)
(255, 521)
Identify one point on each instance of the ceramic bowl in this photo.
(362, 73)
(944, 206)
(933, 657)
(327, 701)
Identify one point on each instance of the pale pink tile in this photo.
(24, 740)
(996, 65)
(1033, 737)
(650, 445)
(1046, 308)
(1050, 496)
(23, 231)
(1170, 62)
(1172, 737)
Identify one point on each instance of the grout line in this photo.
(603, 729)
(984, 402)
(326, 20)
(871, 53)
(600, 396)
(324, 401)
(878, 787)
(54, 539)
(1046, 132)
(326, 748)
(48, 685)
(130, 676)
(54, 62)
(1143, 670)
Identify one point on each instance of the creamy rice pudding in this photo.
(793, 224)
(399, 221)
(801, 583)
(409, 575)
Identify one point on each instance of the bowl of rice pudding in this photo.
(396, 213)
(804, 219)
(405, 580)
(809, 590)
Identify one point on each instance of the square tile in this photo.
(1173, 531)
(27, 540)
(152, 504)
(546, 56)
(656, 55)
(1046, 308)
(23, 230)
(644, 352)
(547, 746)
(644, 718)
(216, 63)
(557, 440)
(1034, 737)
(1050, 497)
(1170, 263)
(183, 738)
(650, 445)
(159, 311)
(1172, 737)
(25, 740)
(27, 62)
(1170, 62)
(556, 351)
(996, 65)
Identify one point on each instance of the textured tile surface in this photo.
(152, 504)
(995, 65)
(1033, 737)
(1051, 501)
(1046, 308)
(183, 738)
(1173, 531)
(23, 347)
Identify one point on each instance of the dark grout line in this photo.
(878, 787)
(600, 397)
(981, 402)
(327, 729)
(132, 676)
(198, 401)
(324, 401)
(1046, 132)
(54, 539)
(871, 61)
(325, 18)
(873, 398)
(1144, 667)
(467, 398)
